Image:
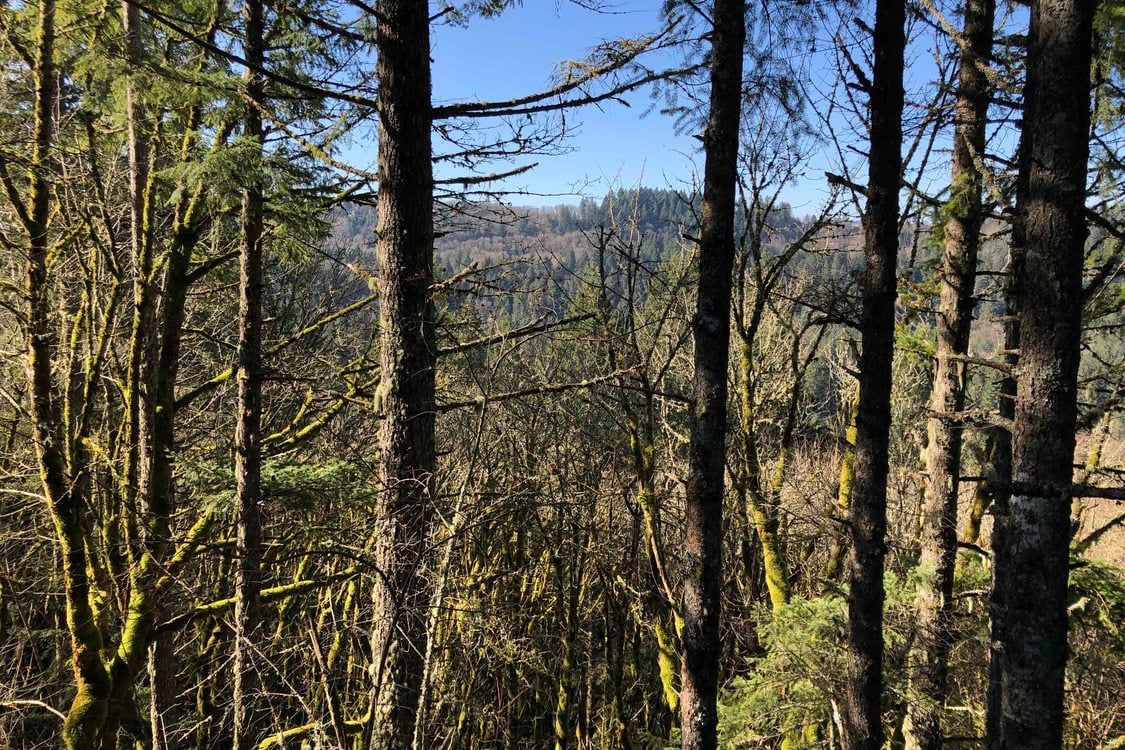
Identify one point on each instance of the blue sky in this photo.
(612, 145)
(516, 53)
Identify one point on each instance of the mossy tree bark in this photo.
(248, 434)
(763, 504)
(839, 552)
(61, 468)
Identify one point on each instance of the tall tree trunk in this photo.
(147, 524)
(248, 444)
(406, 390)
(138, 396)
(61, 488)
(964, 214)
(873, 416)
(162, 663)
(701, 647)
(1033, 567)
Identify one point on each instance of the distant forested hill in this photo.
(657, 220)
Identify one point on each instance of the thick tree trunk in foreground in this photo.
(873, 417)
(406, 391)
(1033, 567)
(707, 453)
(248, 437)
(930, 657)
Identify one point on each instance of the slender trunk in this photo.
(406, 391)
(983, 492)
(569, 591)
(615, 629)
(964, 213)
(248, 445)
(139, 406)
(869, 495)
(1001, 493)
(162, 667)
(1034, 565)
(62, 490)
(762, 503)
(1099, 436)
(658, 602)
(839, 550)
(703, 509)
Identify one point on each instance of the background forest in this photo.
(304, 452)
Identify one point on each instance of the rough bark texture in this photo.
(963, 216)
(248, 438)
(873, 417)
(699, 666)
(406, 391)
(1034, 562)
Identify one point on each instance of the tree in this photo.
(405, 396)
(407, 457)
(1054, 153)
(703, 504)
(873, 415)
(963, 216)
(64, 495)
(248, 429)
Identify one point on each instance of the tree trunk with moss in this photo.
(762, 502)
(863, 714)
(839, 551)
(658, 602)
(963, 214)
(248, 434)
(63, 489)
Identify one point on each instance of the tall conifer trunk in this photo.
(406, 392)
(1033, 566)
(873, 416)
(248, 438)
(930, 657)
(711, 328)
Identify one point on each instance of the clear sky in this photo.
(516, 53)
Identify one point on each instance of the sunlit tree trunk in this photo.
(1033, 566)
(406, 391)
(62, 489)
(963, 216)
